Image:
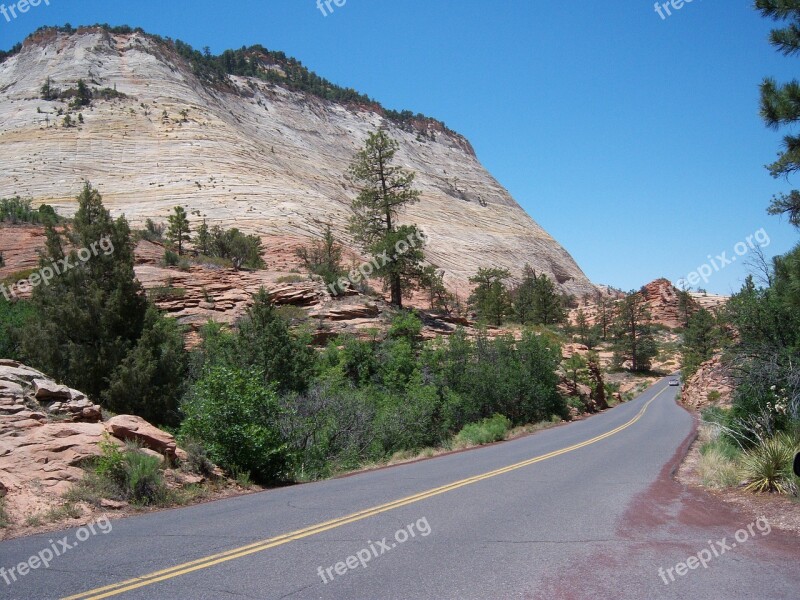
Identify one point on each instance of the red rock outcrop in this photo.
(711, 385)
(49, 431)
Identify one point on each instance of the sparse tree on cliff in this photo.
(179, 229)
(384, 190)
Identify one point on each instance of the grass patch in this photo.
(68, 510)
(719, 465)
(5, 520)
(487, 431)
(291, 279)
(18, 276)
(212, 261)
(164, 293)
(125, 474)
(534, 427)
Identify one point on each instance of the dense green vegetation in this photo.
(633, 334)
(535, 301)
(92, 327)
(357, 401)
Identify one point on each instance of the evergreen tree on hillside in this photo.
(92, 314)
(700, 340)
(490, 298)
(324, 257)
(384, 190)
(179, 230)
(203, 240)
(94, 329)
(633, 334)
(536, 300)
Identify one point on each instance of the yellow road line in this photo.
(215, 559)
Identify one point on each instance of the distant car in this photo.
(674, 382)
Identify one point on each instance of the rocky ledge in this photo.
(48, 431)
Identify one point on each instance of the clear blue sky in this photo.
(635, 141)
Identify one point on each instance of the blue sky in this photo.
(634, 140)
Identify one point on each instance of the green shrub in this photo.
(151, 379)
(16, 210)
(577, 404)
(14, 316)
(487, 431)
(236, 418)
(171, 258)
(129, 474)
(406, 325)
(5, 521)
(197, 460)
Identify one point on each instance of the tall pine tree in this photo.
(385, 189)
(780, 103)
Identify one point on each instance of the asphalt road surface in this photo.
(585, 510)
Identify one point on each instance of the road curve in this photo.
(585, 510)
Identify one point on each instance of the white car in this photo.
(674, 382)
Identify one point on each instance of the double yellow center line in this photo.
(216, 559)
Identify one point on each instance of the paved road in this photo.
(586, 510)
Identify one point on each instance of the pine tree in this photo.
(548, 306)
(203, 240)
(780, 103)
(179, 230)
(90, 316)
(490, 298)
(700, 340)
(604, 314)
(385, 189)
(524, 297)
(324, 257)
(633, 334)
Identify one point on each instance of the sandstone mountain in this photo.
(246, 151)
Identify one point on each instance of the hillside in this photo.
(244, 151)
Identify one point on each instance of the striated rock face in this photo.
(664, 304)
(264, 159)
(711, 379)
